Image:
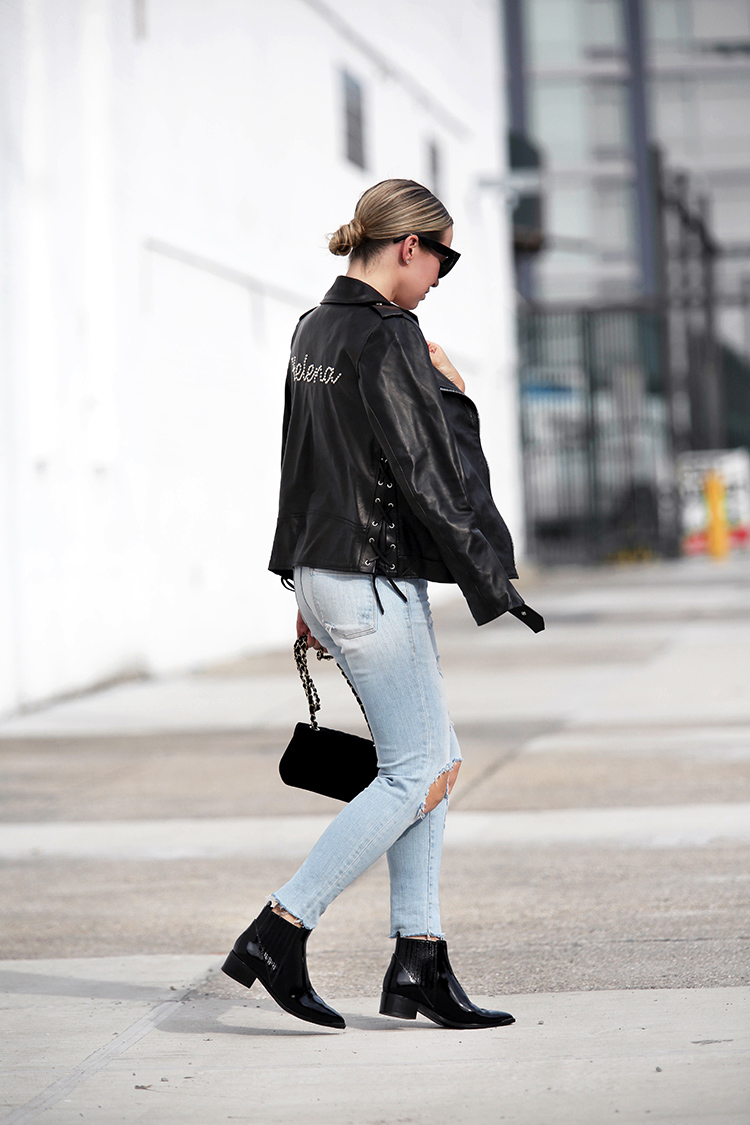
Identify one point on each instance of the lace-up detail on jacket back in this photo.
(381, 541)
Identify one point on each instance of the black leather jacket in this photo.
(382, 470)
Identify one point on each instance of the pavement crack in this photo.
(485, 775)
(471, 732)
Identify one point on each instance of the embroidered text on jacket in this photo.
(309, 373)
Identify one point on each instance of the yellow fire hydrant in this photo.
(718, 528)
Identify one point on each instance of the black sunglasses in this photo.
(448, 257)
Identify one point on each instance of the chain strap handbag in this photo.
(322, 760)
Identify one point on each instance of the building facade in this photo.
(169, 170)
(635, 284)
(698, 85)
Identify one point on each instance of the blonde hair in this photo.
(386, 211)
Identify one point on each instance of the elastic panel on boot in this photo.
(419, 958)
(280, 939)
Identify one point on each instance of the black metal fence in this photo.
(597, 456)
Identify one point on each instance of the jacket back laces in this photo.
(381, 543)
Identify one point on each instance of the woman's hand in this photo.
(303, 631)
(444, 365)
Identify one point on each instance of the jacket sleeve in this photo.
(403, 403)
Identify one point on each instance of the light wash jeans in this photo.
(392, 661)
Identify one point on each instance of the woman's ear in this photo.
(407, 249)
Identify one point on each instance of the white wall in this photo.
(164, 201)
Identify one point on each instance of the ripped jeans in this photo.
(392, 661)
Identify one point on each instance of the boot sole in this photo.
(404, 1009)
(239, 971)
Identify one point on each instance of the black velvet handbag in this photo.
(322, 760)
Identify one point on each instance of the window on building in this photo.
(553, 32)
(721, 118)
(560, 120)
(730, 216)
(434, 169)
(614, 216)
(668, 21)
(569, 218)
(721, 20)
(603, 30)
(139, 18)
(609, 119)
(354, 125)
(673, 115)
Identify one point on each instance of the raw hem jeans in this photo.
(392, 661)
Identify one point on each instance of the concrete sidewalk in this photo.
(595, 882)
(136, 1051)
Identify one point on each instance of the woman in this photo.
(383, 487)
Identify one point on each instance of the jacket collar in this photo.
(351, 291)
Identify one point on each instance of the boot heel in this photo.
(397, 1006)
(238, 971)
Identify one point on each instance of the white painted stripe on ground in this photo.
(658, 826)
(58, 1090)
(210, 838)
(290, 836)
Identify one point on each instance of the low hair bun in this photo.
(386, 212)
(347, 238)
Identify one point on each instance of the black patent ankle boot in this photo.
(272, 951)
(420, 979)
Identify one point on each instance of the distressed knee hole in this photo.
(440, 787)
(435, 794)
